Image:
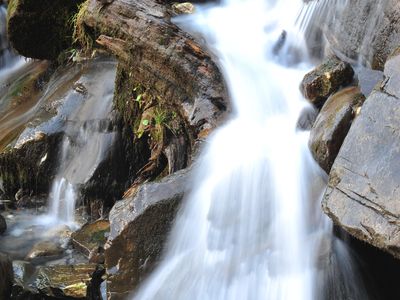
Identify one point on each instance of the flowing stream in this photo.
(88, 138)
(252, 227)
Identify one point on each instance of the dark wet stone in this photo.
(326, 79)
(139, 229)
(6, 276)
(332, 125)
(91, 236)
(29, 168)
(3, 225)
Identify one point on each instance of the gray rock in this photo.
(369, 29)
(326, 79)
(139, 229)
(333, 124)
(363, 191)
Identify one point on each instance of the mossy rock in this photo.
(91, 236)
(41, 29)
(325, 80)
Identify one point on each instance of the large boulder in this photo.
(333, 124)
(326, 79)
(41, 29)
(363, 190)
(368, 30)
(139, 229)
(6, 276)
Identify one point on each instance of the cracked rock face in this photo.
(363, 194)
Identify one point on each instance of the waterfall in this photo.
(9, 61)
(87, 139)
(252, 227)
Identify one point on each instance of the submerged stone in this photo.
(44, 249)
(332, 125)
(326, 79)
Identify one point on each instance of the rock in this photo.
(6, 276)
(44, 249)
(363, 190)
(20, 168)
(41, 29)
(333, 124)
(91, 236)
(3, 225)
(80, 281)
(183, 8)
(75, 281)
(367, 30)
(139, 229)
(326, 79)
(96, 255)
(23, 281)
(307, 118)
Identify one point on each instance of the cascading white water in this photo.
(86, 142)
(252, 227)
(9, 61)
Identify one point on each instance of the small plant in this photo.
(80, 36)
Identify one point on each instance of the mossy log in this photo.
(161, 57)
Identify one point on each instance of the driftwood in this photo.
(162, 57)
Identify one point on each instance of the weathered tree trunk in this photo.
(161, 57)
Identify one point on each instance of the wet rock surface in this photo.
(3, 225)
(6, 276)
(44, 249)
(363, 190)
(326, 79)
(139, 229)
(91, 237)
(80, 281)
(333, 124)
(75, 281)
(31, 167)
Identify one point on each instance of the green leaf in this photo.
(139, 97)
(145, 122)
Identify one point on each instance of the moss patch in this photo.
(41, 29)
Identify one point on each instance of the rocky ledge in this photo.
(363, 191)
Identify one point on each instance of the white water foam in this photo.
(252, 227)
